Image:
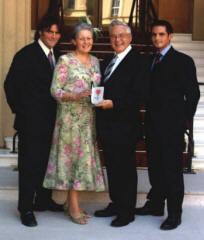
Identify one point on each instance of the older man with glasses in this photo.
(118, 122)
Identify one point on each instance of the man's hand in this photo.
(105, 104)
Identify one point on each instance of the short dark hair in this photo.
(164, 23)
(45, 24)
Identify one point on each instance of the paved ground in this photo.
(56, 226)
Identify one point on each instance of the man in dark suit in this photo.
(174, 94)
(118, 123)
(27, 88)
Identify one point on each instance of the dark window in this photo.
(71, 4)
(115, 8)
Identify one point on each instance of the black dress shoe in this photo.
(171, 222)
(51, 206)
(109, 211)
(148, 209)
(54, 207)
(121, 221)
(28, 219)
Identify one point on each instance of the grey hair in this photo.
(116, 23)
(81, 26)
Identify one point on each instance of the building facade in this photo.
(18, 17)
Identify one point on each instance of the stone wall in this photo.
(15, 32)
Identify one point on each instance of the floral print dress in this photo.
(74, 159)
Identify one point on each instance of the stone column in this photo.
(198, 20)
(15, 27)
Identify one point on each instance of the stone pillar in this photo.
(198, 20)
(15, 27)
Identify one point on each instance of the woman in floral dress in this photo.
(74, 163)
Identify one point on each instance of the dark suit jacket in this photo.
(27, 88)
(174, 93)
(125, 88)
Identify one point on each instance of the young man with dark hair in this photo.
(167, 25)
(27, 88)
(173, 98)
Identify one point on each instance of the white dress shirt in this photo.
(46, 50)
(121, 56)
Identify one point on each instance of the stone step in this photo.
(9, 142)
(200, 105)
(201, 88)
(201, 95)
(198, 128)
(198, 134)
(199, 65)
(200, 78)
(182, 37)
(200, 70)
(199, 117)
(7, 158)
(198, 162)
(198, 61)
(200, 110)
(195, 53)
(188, 45)
(198, 122)
(200, 74)
(199, 148)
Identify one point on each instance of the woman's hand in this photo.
(76, 97)
(84, 94)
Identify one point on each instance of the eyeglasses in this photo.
(119, 36)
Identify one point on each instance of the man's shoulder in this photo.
(135, 52)
(134, 56)
(182, 56)
(27, 50)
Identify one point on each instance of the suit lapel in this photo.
(42, 58)
(165, 61)
(104, 66)
(166, 57)
(117, 70)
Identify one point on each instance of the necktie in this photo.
(157, 58)
(51, 60)
(109, 68)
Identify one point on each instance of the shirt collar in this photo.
(124, 53)
(44, 47)
(165, 50)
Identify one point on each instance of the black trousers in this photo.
(32, 164)
(165, 168)
(122, 176)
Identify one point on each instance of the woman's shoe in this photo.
(86, 215)
(66, 212)
(80, 220)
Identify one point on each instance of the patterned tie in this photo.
(109, 68)
(51, 60)
(157, 58)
